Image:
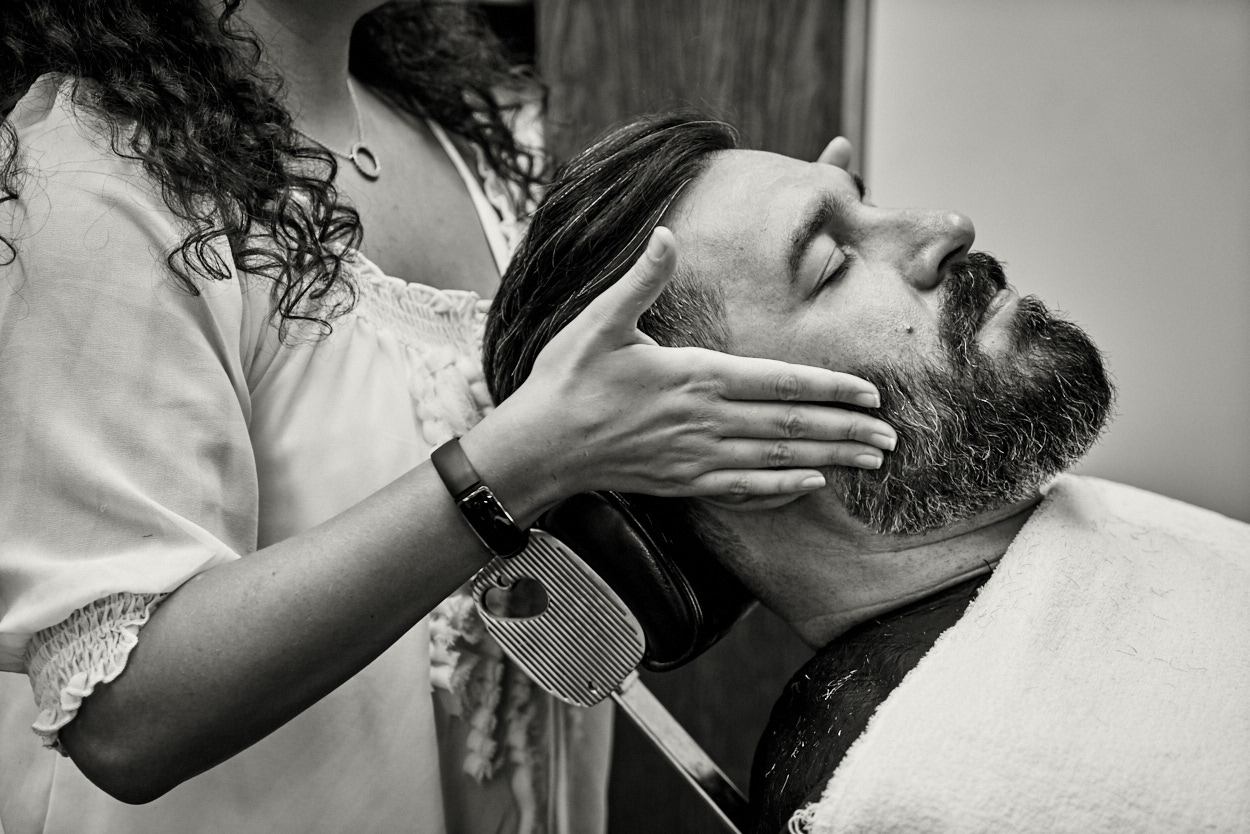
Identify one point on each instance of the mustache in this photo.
(969, 288)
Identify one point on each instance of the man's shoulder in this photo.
(1105, 503)
(828, 703)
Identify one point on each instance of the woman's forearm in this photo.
(241, 649)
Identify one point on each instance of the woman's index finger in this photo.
(747, 378)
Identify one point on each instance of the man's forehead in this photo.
(744, 206)
(745, 182)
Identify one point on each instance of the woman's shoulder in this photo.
(89, 225)
(69, 180)
(58, 132)
(46, 105)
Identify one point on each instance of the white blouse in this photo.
(148, 434)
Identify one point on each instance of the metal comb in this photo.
(571, 633)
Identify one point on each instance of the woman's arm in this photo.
(240, 649)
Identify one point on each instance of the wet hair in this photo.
(187, 95)
(593, 223)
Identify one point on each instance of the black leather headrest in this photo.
(645, 550)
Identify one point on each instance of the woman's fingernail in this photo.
(868, 461)
(656, 246)
(885, 441)
(868, 399)
(813, 482)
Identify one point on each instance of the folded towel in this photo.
(1100, 682)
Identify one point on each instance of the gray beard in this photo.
(977, 433)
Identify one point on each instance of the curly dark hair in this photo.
(188, 96)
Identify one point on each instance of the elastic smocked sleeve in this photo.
(124, 449)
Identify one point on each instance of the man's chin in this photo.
(916, 511)
(978, 437)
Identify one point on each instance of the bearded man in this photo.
(1076, 652)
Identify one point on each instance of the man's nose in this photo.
(930, 241)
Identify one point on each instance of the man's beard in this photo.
(976, 432)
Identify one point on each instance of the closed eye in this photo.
(837, 265)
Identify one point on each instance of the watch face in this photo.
(492, 523)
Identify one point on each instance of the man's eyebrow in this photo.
(815, 218)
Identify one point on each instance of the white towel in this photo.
(1100, 682)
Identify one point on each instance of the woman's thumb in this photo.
(621, 304)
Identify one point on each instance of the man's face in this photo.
(989, 393)
(811, 273)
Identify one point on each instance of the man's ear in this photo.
(750, 503)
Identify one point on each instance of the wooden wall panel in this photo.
(771, 67)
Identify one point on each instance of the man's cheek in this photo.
(893, 340)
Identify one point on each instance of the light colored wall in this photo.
(1102, 148)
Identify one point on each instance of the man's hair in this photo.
(592, 224)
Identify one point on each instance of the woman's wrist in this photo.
(520, 469)
(478, 505)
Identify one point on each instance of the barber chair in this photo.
(608, 583)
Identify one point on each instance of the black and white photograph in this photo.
(624, 416)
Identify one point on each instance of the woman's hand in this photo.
(610, 409)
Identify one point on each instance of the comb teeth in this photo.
(586, 641)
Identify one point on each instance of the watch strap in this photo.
(486, 516)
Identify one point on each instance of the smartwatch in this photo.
(486, 517)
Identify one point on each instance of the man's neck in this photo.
(307, 43)
(825, 573)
